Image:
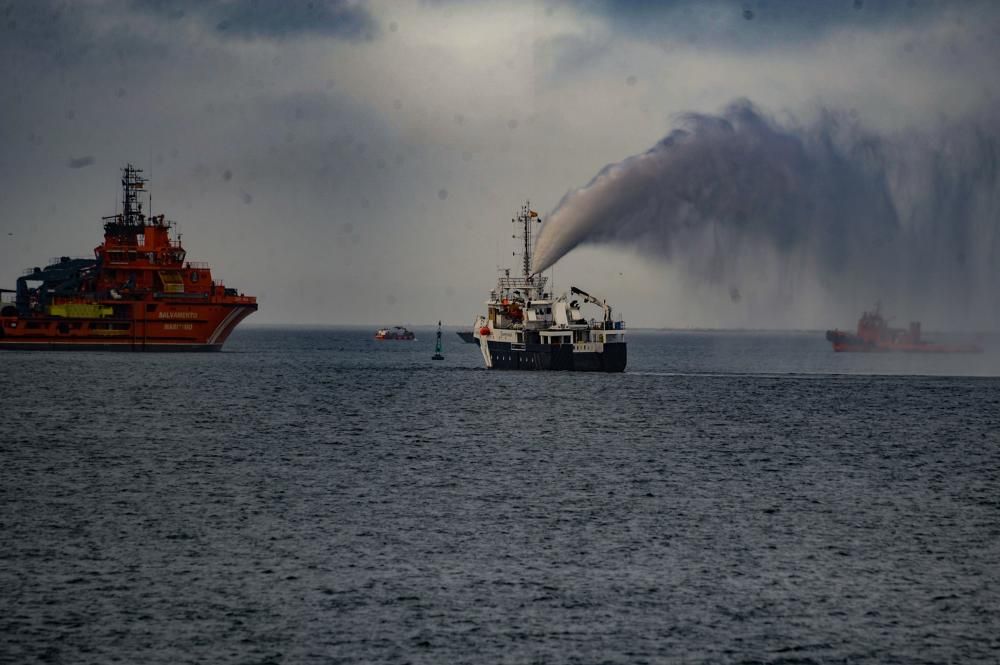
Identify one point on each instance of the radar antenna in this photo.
(132, 182)
(131, 218)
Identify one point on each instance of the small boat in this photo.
(437, 347)
(396, 332)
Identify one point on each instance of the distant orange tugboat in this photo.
(874, 334)
(138, 293)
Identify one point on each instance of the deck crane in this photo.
(596, 301)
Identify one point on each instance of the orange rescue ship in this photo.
(874, 334)
(138, 293)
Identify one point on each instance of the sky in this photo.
(354, 162)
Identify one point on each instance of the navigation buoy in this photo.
(437, 347)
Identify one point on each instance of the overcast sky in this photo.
(359, 163)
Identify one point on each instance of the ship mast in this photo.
(529, 285)
(131, 217)
(132, 182)
(524, 219)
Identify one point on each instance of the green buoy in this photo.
(437, 347)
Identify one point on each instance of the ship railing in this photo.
(504, 283)
(196, 265)
(607, 325)
(167, 296)
(58, 259)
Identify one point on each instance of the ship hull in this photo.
(152, 347)
(175, 326)
(504, 355)
(846, 343)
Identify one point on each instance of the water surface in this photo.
(312, 495)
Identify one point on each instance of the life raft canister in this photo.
(484, 331)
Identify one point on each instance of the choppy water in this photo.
(315, 496)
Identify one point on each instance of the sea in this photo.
(312, 495)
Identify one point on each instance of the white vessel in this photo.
(525, 327)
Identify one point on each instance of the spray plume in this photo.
(909, 217)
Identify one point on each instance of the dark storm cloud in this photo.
(764, 24)
(270, 19)
(58, 30)
(73, 35)
(753, 28)
(80, 162)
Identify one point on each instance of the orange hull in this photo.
(193, 326)
(842, 347)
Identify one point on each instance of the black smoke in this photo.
(910, 217)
